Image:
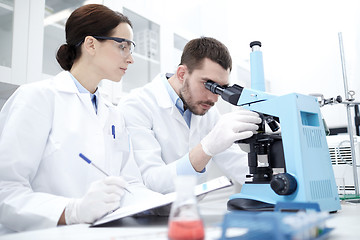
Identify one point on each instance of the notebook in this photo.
(160, 200)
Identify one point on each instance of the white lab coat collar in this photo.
(64, 83)
(163, 99)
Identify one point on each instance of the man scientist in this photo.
(174, 128)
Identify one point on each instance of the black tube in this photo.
(214, 87)
(357, 120)
(230, 94)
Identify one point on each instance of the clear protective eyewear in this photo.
(126, 46)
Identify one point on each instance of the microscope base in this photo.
(249, 205)
(260, 197)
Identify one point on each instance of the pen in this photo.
(113, 130)
(93, 164)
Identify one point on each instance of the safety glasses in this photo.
(126, 46)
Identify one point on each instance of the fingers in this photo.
(244, 120)
(247, 119)
(113, 197)
(113, 189)
(242, 135)
(108, 185)
(242, 126)
(116, 181)
(244, 111)
(114, 185)
(245, 116)
(103, 196)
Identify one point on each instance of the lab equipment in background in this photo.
(322, 102)
(185, 222)
(291, 166)
(350, 102)
(277, 225)
(325, 101)
(341, 158)
(343, 151)
(357, 120)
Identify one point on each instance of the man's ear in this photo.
(90, 44)
(181, 72)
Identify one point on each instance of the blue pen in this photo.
(113, 130)
(93, 164)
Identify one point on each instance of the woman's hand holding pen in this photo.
(102, 197)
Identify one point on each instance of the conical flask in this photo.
(185, 222)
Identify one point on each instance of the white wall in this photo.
(300, 40)
(301, 47)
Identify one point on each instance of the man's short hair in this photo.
(198, 49)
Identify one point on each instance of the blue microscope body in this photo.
(298, 167)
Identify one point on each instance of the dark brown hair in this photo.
(88, 20)
(198, 49)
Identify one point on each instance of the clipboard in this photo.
(162, 200)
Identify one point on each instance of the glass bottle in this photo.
(184, 221)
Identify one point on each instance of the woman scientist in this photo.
(45, 125)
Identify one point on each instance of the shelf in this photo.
(6, 89)
(6, 32)
(137, 55)
(4, 7)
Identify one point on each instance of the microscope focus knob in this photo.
(283, 184)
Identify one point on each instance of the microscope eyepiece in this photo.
(229, 94)
(214, 87)
(255, 43)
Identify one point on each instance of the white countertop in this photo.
(346, 224)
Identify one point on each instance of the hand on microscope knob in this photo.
(231, 127)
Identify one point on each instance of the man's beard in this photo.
(189, 104)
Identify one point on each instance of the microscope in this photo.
(291, 165)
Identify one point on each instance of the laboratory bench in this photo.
(345, 224)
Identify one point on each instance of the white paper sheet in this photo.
(159, 200)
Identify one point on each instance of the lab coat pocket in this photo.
(118, 152)
(121, 142)
(51, 147)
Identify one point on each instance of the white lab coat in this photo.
(161, 136)
(43, 128)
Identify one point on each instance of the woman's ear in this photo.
(90, 45)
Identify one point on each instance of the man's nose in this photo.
(213, 97)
